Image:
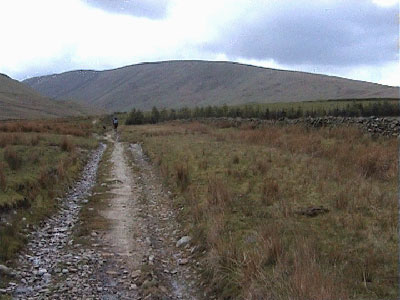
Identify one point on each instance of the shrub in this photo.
(4, 140)
(269, 192)
(218, 194)
(375, 162)
(262, 167)
(66, 144)
(3, 181)
(12, 158)
(182, 176)
(342, 199)
(10, 241)
(235, 159)
(44, 177)
(203, 164)
(35, 140)
(61, 170)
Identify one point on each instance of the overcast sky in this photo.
(357, 39)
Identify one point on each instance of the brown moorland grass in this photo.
(71, 126)
(66, 144)
(38, 161)
(13, 159)
(245, 198)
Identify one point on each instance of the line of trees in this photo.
(354, 109)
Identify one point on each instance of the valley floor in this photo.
(190, 210)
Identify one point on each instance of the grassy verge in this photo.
(284, 212)
(38, 161)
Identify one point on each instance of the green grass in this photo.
(242, 193)
(51, 156)
(44, 157)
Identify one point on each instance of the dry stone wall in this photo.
(386, 126)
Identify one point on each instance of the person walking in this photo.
(115, 123)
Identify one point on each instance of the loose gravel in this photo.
(46, 259)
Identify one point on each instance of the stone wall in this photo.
(373, 125)
(388, 126)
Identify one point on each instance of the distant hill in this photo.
(19, 101)
(175, 84)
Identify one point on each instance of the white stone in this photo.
(183, 241)
(42, 272)
(183, 261)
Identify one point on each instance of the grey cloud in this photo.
(311, 32)
(153, 9)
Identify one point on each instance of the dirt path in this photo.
(135, 257)
(46, 260)
(127, 229)
(143, 232)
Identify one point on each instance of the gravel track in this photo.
(40, 263)
(135, 257)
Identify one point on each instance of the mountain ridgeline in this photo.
(176, 84)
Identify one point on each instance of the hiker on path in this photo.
(115, 123)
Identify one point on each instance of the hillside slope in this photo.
(189, 83)
(19, 101)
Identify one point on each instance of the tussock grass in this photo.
(269, 192)
(13, 159)
(219, 196)
(66, 144)
(34, 170)
(10, 240)
(244, 212)
(235, 159)
(182, 176)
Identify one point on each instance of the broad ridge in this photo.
(175, 84)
